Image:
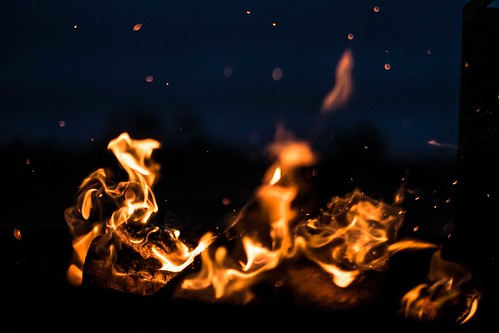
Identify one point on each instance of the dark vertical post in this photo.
(477, 206)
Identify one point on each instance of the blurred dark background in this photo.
(203, 79)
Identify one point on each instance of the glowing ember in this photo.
(17, 234)
(137, 27)
(277, 74)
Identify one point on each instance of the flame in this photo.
(354, 234)
(342, 90)
(110, 214)
(428, 300)
(231, 277)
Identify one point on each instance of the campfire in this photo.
(331, 258)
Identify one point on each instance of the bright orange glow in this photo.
(137, 27)
(352, 235)
(388, 66)
(93, 224)
(17, 234)
(230, 277)
(355, 234)
(342, 90)
(472, 307)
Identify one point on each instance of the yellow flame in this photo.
(276, 176)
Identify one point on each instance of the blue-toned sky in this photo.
(75, 71)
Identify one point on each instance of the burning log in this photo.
(312, 287)
(110, 220)
(136, 268)
(131, 274)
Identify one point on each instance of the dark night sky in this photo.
(82, 63)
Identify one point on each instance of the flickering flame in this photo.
(342, 90)
(445, 279)
(109, 213)
(229, 276)
(354, 234)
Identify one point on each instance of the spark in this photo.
(17, 234)
(277, 74)
(228, 71)
(376, 9)
(388, 66)
(137, 27)
(350, 36)
(439, 144)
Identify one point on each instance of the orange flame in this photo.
(342, 90)
(127, 224)
(354, 234)
(229, 277)
(427, 300)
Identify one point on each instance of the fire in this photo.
(352, 235)
(231, 277)
(428, 300)
(109, 214)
